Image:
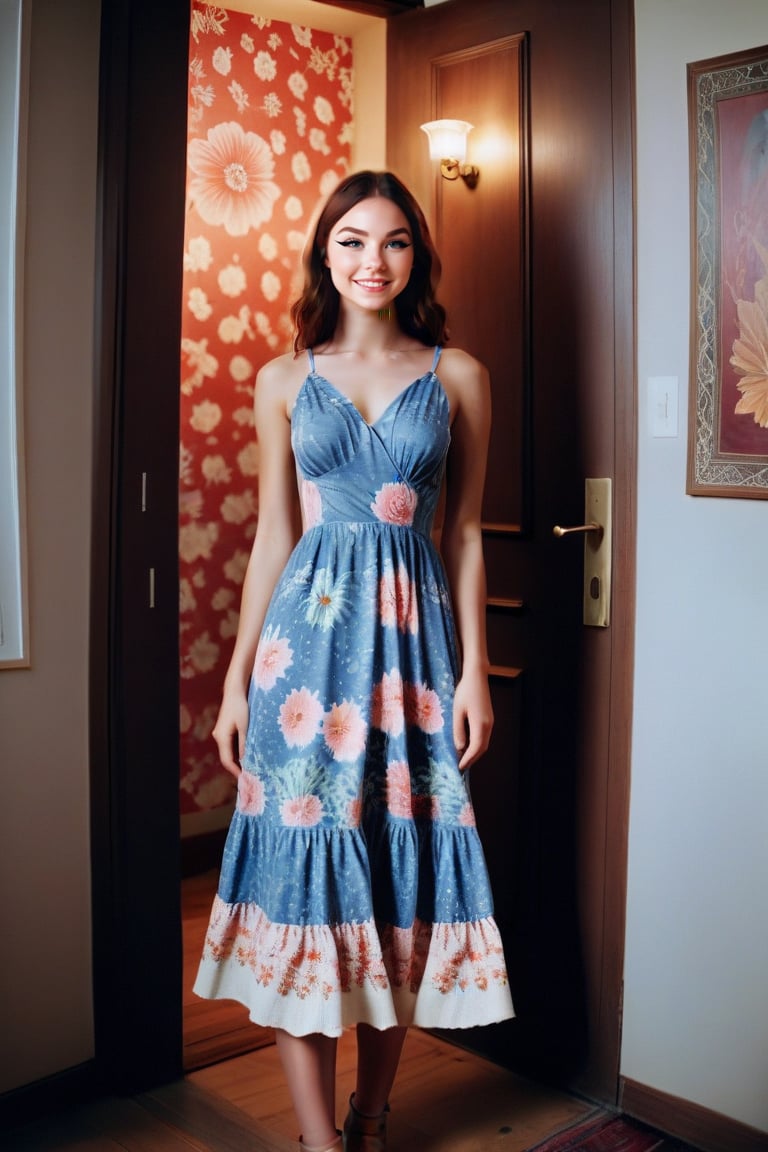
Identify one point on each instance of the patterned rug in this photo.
(603, 1132)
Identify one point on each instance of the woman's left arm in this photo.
(462, 548)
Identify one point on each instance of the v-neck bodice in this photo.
(388, 471)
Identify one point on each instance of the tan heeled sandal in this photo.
(364, 1133)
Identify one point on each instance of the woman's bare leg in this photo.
(378, 1055)
(309, 1064)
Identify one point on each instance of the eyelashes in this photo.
(397, 245)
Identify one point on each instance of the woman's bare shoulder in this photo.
(464, 378)
(279, 380)
(455, 362)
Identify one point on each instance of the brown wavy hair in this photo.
(315, 314)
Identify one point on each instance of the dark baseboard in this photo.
(46, 1097)
(202, 853)
(710, 1131)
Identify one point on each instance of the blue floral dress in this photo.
(353, 885)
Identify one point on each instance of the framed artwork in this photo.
(728, 410)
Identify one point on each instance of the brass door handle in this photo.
(596, 531)
(558, 531)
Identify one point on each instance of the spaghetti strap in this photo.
(435, 358)
(311, 356)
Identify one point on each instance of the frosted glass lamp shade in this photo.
(447, 139)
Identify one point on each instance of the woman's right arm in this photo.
(276, 534)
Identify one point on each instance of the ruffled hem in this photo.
(321, 978)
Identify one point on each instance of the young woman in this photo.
(353, 888)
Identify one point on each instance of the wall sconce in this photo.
(448, 144)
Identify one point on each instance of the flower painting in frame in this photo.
(728, 413)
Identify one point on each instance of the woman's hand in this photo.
(230, 729)
(472, 718)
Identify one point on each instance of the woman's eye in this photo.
(399, 244)
(351, 243)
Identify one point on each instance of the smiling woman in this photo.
(13, 631)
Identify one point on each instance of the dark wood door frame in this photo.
(134, 671)
(134, 645)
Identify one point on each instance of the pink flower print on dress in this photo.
(273, 655)
(345, 730)
(395, 503)
(300, 716)
(311, 504)
(302, 811)
(467, 816)
(250, 794)
(397, 601)
(387, 704)
(423, 708)
(399, 789)
(354, 812)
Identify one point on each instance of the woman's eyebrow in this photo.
(361, 232)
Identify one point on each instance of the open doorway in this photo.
(289, 83)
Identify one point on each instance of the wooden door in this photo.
(538, 284)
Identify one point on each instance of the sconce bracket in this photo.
(452, 169)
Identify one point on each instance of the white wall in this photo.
(696, 992)
(46, 1018)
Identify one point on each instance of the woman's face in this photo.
(370, 254)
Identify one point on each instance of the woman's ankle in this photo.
(336, 1143)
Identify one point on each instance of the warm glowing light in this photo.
(447, 139)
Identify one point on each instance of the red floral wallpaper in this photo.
(269, 134)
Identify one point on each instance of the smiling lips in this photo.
(372, 285)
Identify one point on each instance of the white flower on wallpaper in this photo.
(239, 95)
(300, 118)
(270, 286)
(187, 600)
(198, 256)
(222, 599)
(324, 110)
(198, 304)
(215, 470)
(236, 508)
(222, 61)
(278, 141)
(302, 35)
(264, 66)
(243, 417)
(298, 85)
(202, 364)
(294, 209)
(268, 246)
(232, 182)
(246, 43)
(300, 168)
(205, 416)
(248, 460)
(196, 541)
(318, 141)
(232, 280)
(240, 369)
(234, 568)
(272, 105)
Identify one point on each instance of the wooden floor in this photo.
(213, 1029)
(234, 1100)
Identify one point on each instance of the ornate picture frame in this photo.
(728, 400)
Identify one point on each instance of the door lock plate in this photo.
(597, 553)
